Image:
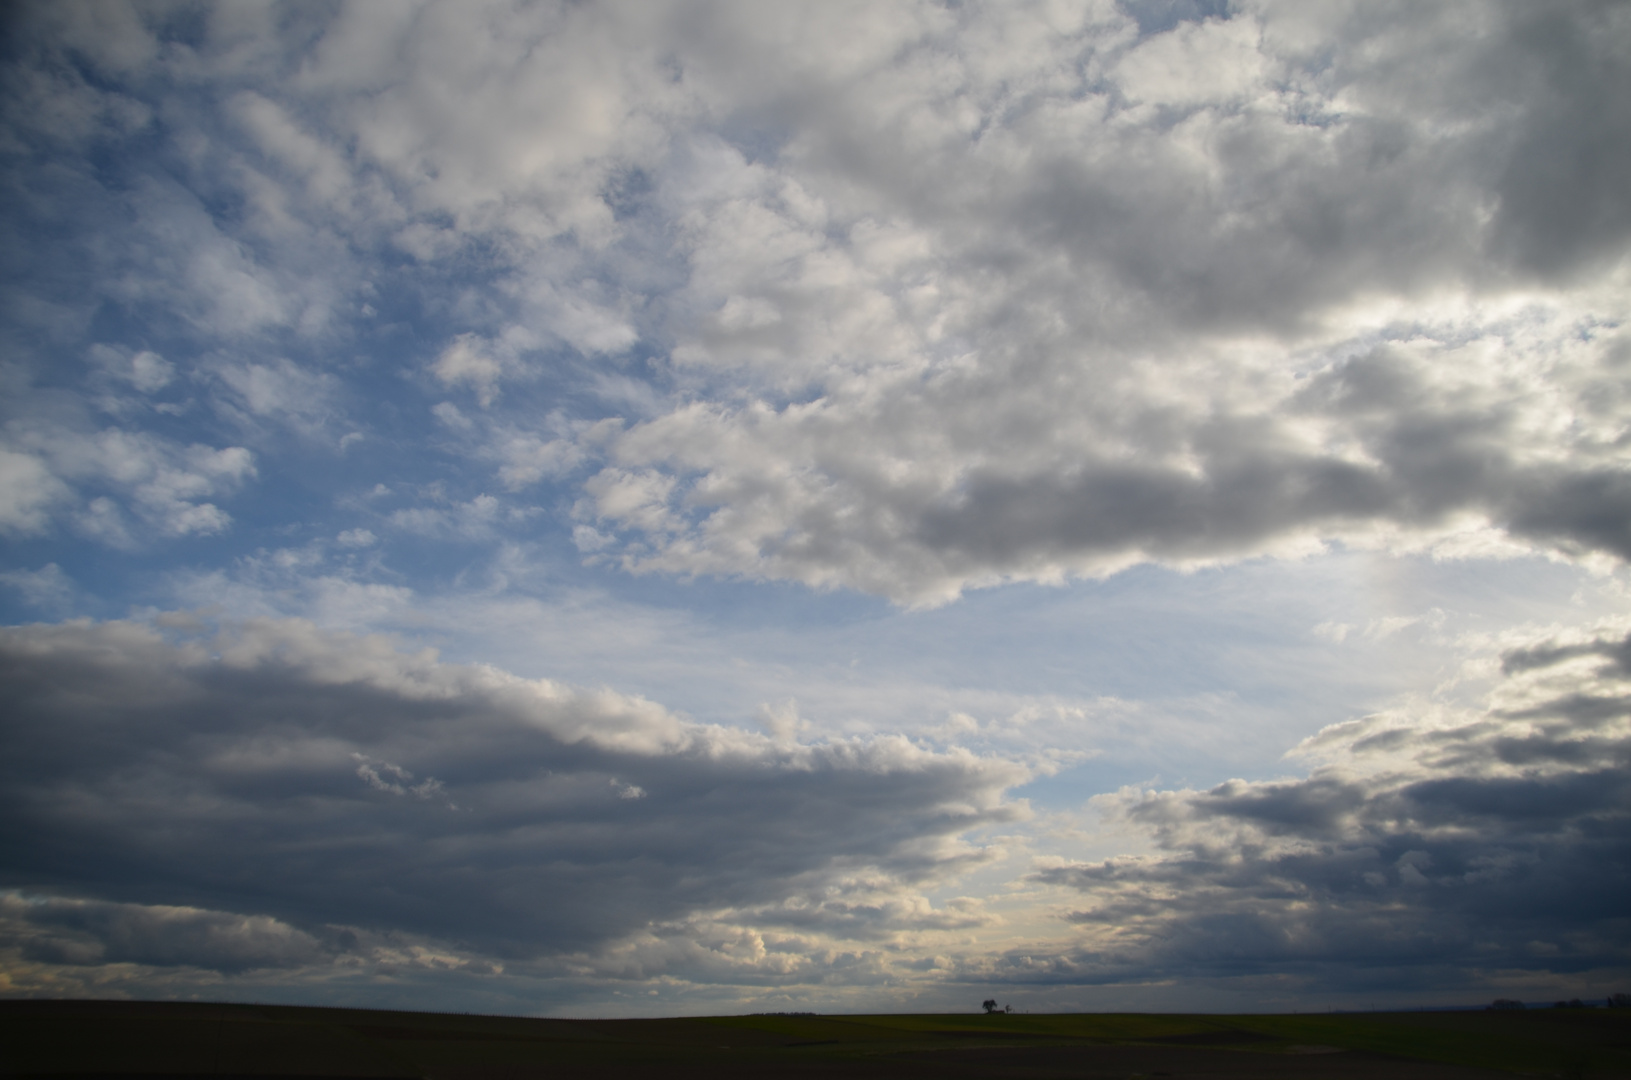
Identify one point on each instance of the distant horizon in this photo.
(1595, 1003)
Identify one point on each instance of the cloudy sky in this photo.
(629, 508)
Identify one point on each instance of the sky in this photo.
(628, 508)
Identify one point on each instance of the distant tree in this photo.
(1506, 1003)
(1007, 1008)
(1572, 1003)
(989, 1005)
(1619, 1001)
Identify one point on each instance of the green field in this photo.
(127, 1039)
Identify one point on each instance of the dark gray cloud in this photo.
(1419, 457)
(1438, 852)
(311, 781)
(1563, 206)
(90, 933)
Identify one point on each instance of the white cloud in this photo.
(475, 519)
(47, 588)
(528, 459)
(467, 360)
(165, 484)
(1165, 418)
(1216, 62)
(146, 371)
(1001, 294)
(27, 491)
(279, 390)
(782, 720)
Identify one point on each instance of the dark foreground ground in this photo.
(116, 1040)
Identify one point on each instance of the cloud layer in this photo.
(273, 803)
(286, 786)
(903, 302)
(1184, 298)
(1443, 847)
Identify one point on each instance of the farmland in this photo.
(129, 1039)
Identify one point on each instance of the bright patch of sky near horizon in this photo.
(903, 498)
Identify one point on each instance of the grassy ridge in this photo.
(48, 1038)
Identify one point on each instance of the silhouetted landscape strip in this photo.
(99, 1040)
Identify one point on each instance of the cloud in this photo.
(279, 390)
(47, 588)
(1005, 293)
(58, 467)
(982, 326)
(892, 485)
(82, 933)
(475, 519)
(465, 361)
(1440, 848)
(27, 491)
(343, 783)
(145, 371)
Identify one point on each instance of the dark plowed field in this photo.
(127, 1040)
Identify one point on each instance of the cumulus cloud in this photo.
(1440, 846)
(342, 783)
(466, 361)
(115, 485)
(931, 298)
(1210, 295)
(117, 472)
(145, 371)
(27, 490)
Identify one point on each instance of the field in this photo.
(129, 1039)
